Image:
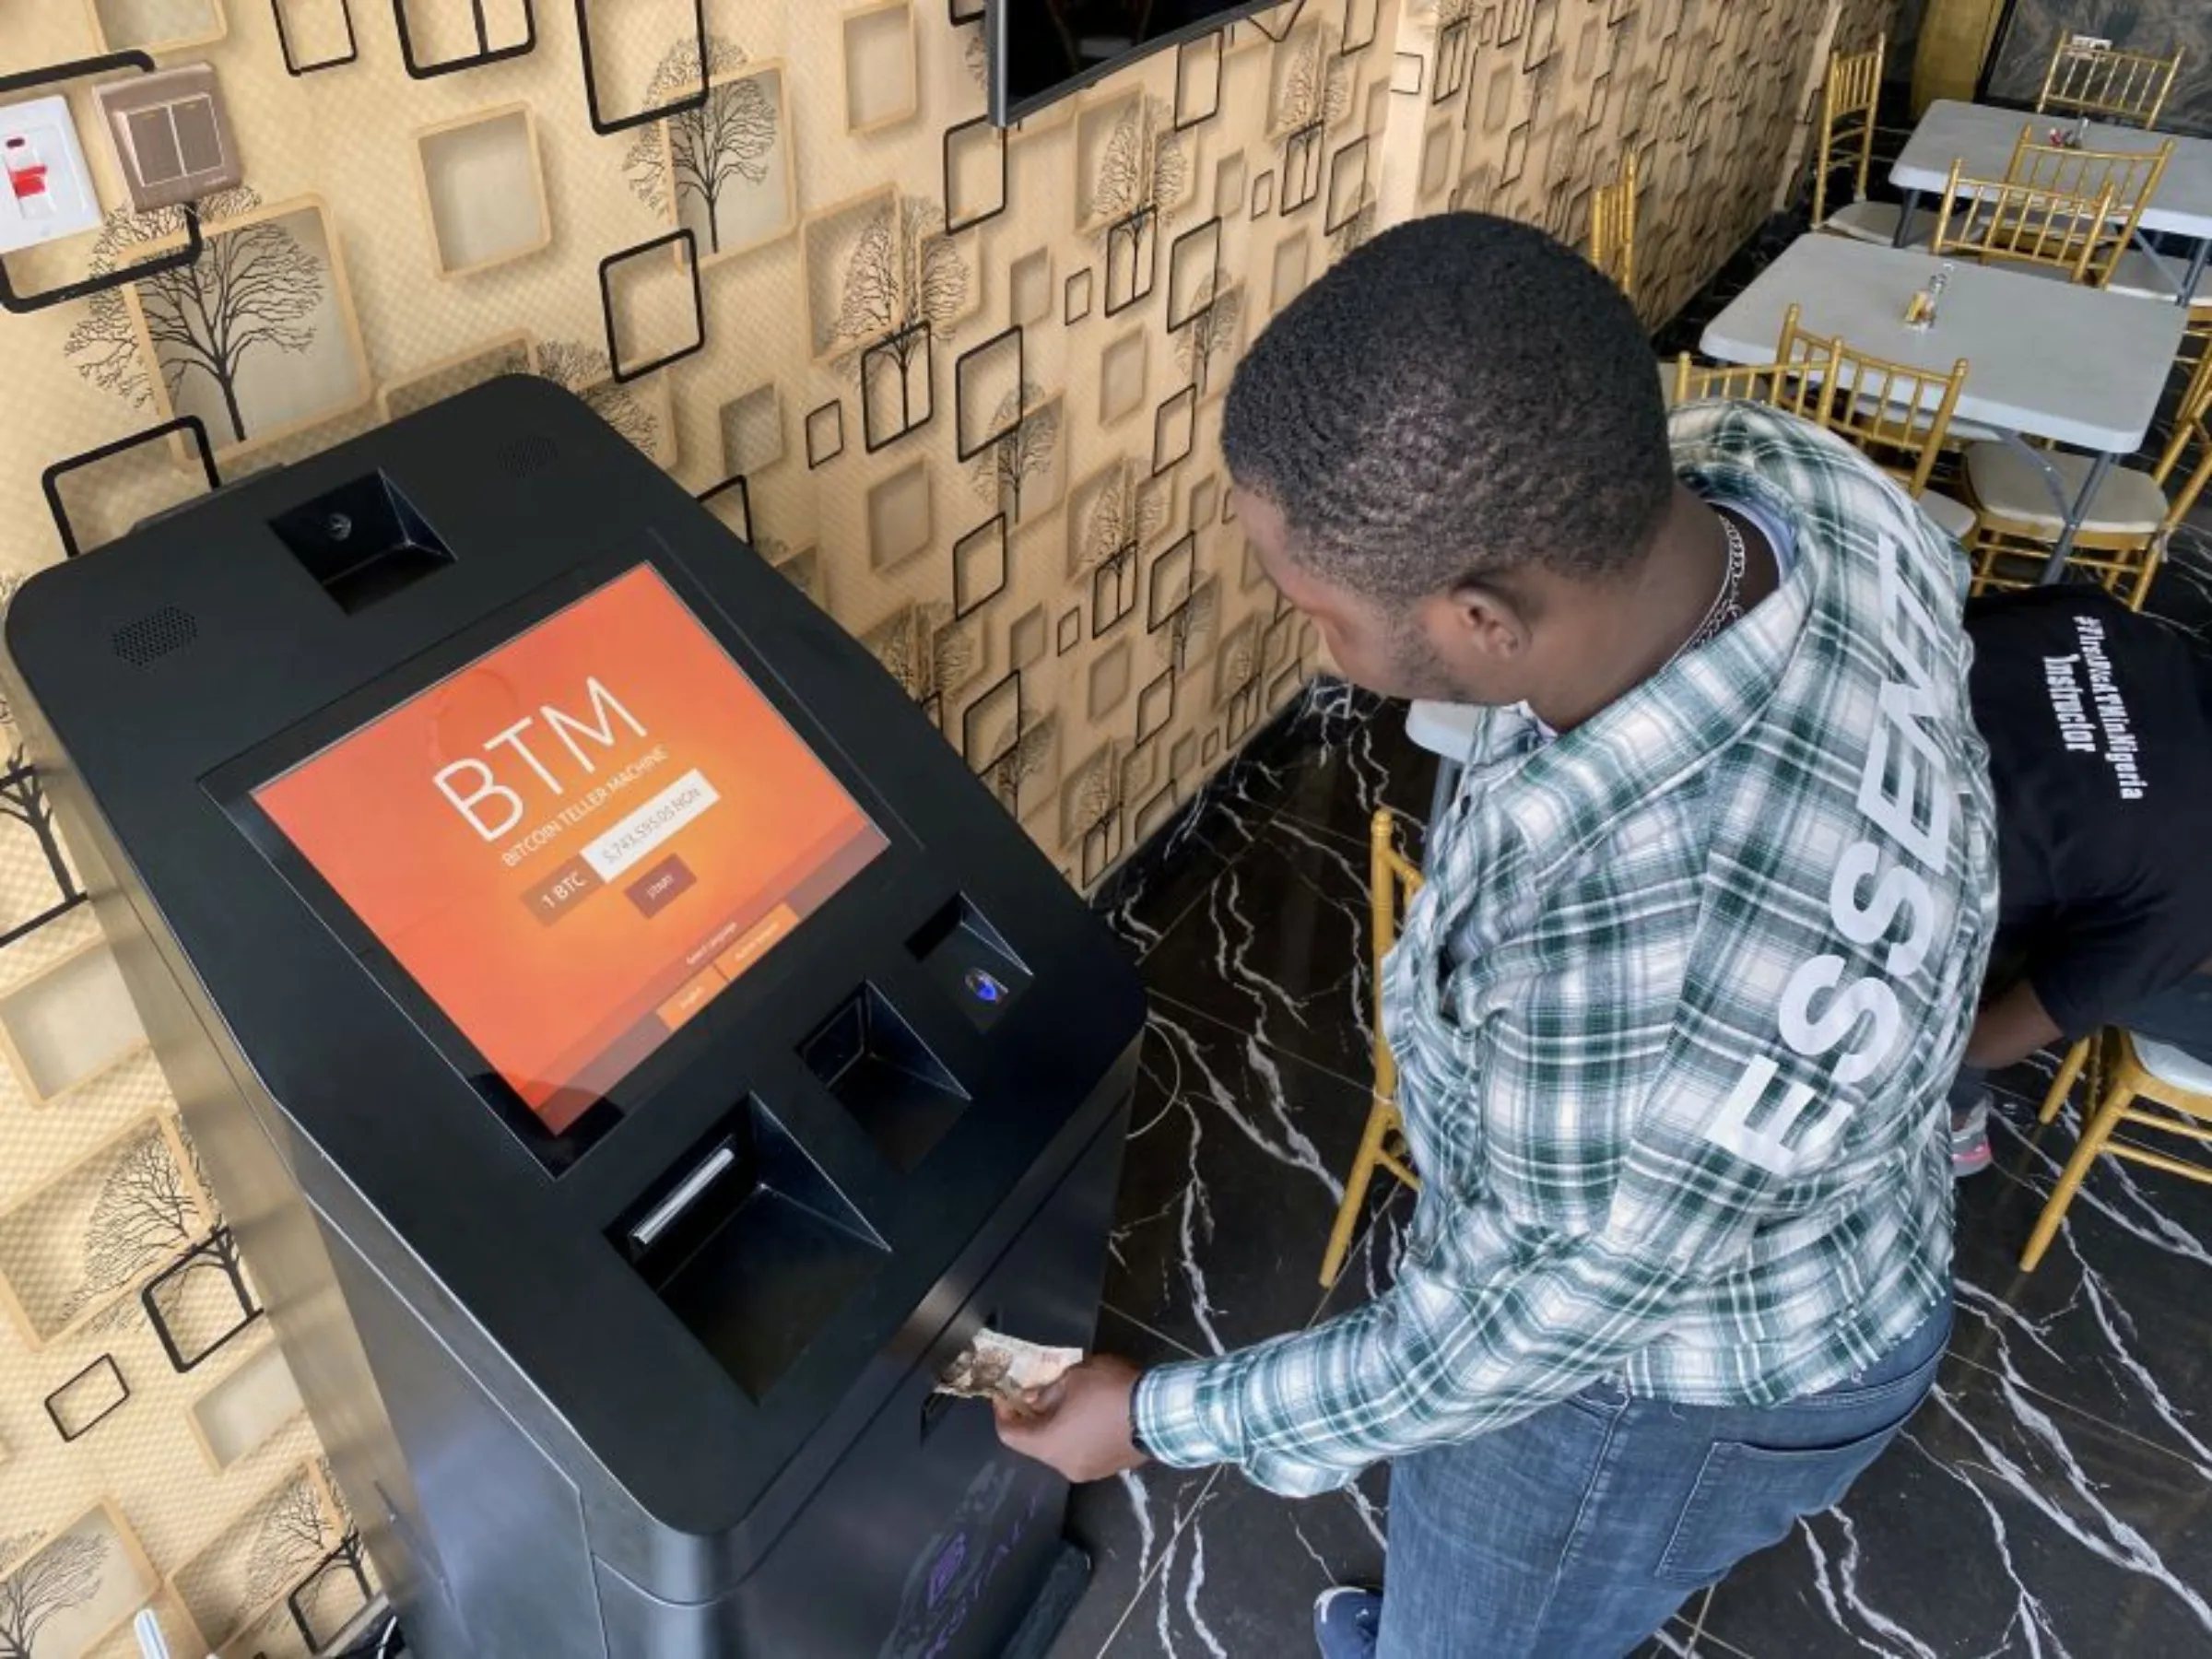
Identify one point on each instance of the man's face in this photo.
(1434, 650)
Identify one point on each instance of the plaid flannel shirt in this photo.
(1675, 1017)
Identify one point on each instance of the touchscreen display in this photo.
(575, 843)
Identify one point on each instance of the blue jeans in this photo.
(1575, 1533)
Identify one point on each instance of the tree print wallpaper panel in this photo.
(962, 387)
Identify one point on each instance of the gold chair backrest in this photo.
(2132, 176)
(1733, 383)
(1613, 226)
(1847, 107)
(2114, 86)
(1897, 414)
(2200, 380)
(2185, 468)
(1994, 219)
(1799, 386)
(1393, 880)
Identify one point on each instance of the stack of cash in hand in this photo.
(993, 1367)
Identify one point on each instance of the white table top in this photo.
(1984, 138)
(2046, 358)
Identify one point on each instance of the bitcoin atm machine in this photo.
(633, 1049)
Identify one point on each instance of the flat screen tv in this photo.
(1042, 50)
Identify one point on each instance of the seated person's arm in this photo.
(2101, 964)
(2010, 1027)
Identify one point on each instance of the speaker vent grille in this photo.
(532, 452)
(154, 635)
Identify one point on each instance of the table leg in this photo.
(2196, 271)
(2053, 480)
(2056, 565)
(1904, 219)
(2143, 244)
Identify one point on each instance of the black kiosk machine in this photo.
(634, 1051)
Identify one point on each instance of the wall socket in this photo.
(2090, 42)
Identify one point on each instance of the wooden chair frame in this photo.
(2132, 176)
(2196, 356)
(1994, 219)
(2124, 1081)
(1848, 101)
(1394, 880)
(1613, 226)
(1799, 386)
(2125, 563)
(1897, 414)
(2110, 86)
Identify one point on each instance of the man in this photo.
(2099, 723)
(1678, 1009)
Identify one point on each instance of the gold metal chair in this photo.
(1897, 414)
(2130, 177)
(1613, 226)
(1778, 385)
(2124, 534)
(1800, 385)
(2098, 82)
(1848, 100)
(1999, 222)
(1394, 880)
(2078, 1058)
(2135, 1069)
(2196, 357)
(2135, 176)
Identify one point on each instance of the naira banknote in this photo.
(996, 1367)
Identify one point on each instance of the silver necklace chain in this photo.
(1727, 605)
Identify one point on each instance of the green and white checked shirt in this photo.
(1675, 1019)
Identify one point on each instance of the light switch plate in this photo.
(48, 192)
(171, 135)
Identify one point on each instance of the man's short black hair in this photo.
(1460, 396)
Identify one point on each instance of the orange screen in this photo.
(575, 843)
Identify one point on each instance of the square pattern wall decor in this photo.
(313, 35)
(962, 387)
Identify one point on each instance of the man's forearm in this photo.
(2009, 1028)
(1434, 1360)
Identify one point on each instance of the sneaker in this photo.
(1347, 1623)
(1970, 1140)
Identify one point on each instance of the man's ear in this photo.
(1486, 617)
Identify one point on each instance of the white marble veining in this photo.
(2049, 1501)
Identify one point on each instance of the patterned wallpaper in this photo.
(963, 388)
(2159, 27)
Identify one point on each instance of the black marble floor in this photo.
(2054, 1498)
